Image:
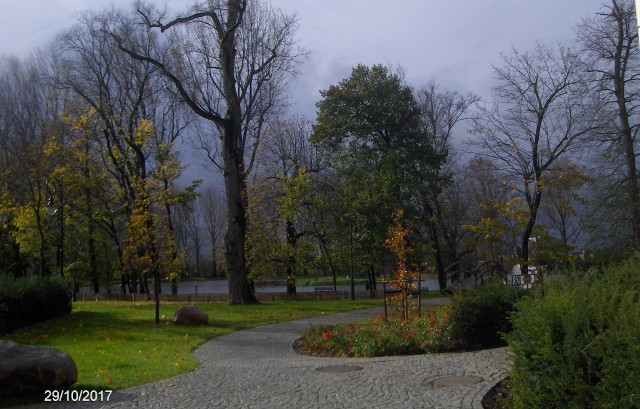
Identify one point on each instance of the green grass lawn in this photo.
(117, 345)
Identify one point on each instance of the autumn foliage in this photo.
(405, 276)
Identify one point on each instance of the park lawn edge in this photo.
(116, 345)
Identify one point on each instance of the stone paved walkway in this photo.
(257, 368)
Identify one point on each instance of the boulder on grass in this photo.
(26, 369)
(188, 315)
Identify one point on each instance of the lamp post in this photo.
(55, 185)
(352, 292)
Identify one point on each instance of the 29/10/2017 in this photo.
(77, 395)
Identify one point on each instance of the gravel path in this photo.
(257, 368)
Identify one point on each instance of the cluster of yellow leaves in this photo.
(498, 217)
(143, 132)
(149, 245)
(403, 276)
(263, 244)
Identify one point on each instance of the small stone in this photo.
(188, 315)
(26, 369)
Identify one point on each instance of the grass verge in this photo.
(116, 345)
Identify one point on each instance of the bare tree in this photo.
(229, 61)
(566, 201)
(542, 109)
(188, 219)
(609, 45)
(195, 230)
(488, 191)
(441, 111)
(213, 212)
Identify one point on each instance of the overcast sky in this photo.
(454, 42)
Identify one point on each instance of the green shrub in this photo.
(26, 301)
(481, 314)
(579, 346)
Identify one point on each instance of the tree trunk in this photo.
(435, 245)
(235, 184)
(534, 205)
(42, 254)
(93, 263)
(371, 280)
(429, 216)
(156, 293)
(240, 291)
(292, 241)
(172, 235)
(144, 284)
(213, 259)
(627, 139)
(133, 283)
(123, 284)
(323, 247)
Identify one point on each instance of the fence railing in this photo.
(282, 296)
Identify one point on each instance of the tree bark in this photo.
(292, 241)
(619, 79)
(534, 205)
(224, 106)
(240, 292)
(235, 184)
(429, 217)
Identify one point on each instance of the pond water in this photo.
(222, 287)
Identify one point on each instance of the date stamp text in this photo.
(77, 395)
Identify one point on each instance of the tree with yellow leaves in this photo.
(406, 275)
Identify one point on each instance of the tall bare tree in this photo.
(609, 45)
(542, 110)
(566, 201)
(229, 61)
(441, 111)
(488, 192)
(213, 211)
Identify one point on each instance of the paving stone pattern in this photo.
(257, 368)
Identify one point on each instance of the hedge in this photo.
(579, 345)
(26, 301)
(480, 315)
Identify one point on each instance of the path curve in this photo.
(257, 368)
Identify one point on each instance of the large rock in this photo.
(25, 369)
(188, 315)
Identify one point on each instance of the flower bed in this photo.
(379, 337)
